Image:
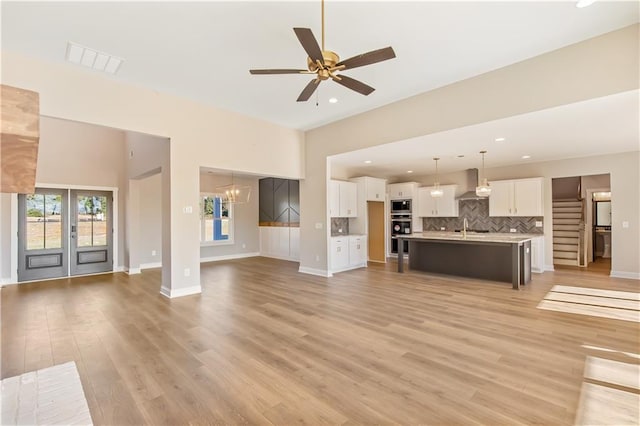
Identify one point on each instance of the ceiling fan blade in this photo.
(368, 58)
(309, 43)
(308, 90)
(279, 71)
(353, 84)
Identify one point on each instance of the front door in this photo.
(91, 232)
(42, 234)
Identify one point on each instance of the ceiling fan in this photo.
(326, 64)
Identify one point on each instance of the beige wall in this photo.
(145, 156)
(200, 136)
(150, 211)
(245, 219)
(594, 68)
(76, 154)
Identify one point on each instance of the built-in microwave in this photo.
(401, 206)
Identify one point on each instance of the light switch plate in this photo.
(513, 230)
(319, 225)
(625, 224)
(538, 224)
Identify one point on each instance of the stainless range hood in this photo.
(472, 182)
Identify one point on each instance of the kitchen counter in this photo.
(490, 237)
(492, 256)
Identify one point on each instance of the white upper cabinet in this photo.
(370, 188)
(399, 191)
(334, 198)
(348, 199)
(343, 199)
(375, 189)
(517, 197)
(445, 206)
(528, 199)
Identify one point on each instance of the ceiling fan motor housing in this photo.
(330, 60)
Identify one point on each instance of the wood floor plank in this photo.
(264, 344)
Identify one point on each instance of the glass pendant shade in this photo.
(436, 191)
(483, 190)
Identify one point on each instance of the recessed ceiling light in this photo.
(367, 161)
(92, 58)
(333, 100)
(501, 139)
(409, 171)
(584, 3)
(525, 157)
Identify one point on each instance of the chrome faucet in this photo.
(465, 223)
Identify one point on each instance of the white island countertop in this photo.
(489, 237)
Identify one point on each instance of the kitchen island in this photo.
(492, 256)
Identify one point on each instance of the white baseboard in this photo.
(313, 271)
(349, 268)
(275, 256)
(7, 281)
(119, 269)
(132, 271)
(549, 268)
(228, 257)
(625, 274)
(180, 292)
(150, 265)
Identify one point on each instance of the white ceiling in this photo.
(594, 127)
(203, 50)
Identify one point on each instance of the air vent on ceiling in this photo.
(92, 58)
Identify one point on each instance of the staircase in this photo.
(567, 226)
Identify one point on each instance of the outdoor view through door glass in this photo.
(92, 221)
(44, 224)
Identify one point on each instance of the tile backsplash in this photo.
(477, 214)
(339, 223)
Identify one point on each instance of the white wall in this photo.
(593, 68)
(200, 136)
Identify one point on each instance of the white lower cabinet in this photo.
(280, 242)
(339, 253)
(348, 252)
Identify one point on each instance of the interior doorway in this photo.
(63, 232)
(580, 239)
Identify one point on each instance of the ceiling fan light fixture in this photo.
(326, 65)
(483, 190)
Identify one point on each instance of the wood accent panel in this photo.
(375, 211)
(280, 224)
(19, 138)
(264, 344)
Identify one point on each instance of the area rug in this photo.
(51, 396)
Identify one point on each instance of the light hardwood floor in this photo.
(264, 344)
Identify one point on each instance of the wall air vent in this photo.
(92, 58)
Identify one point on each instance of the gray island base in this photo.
(496, 257)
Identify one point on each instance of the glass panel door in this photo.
(42, 234)
(91, 232)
